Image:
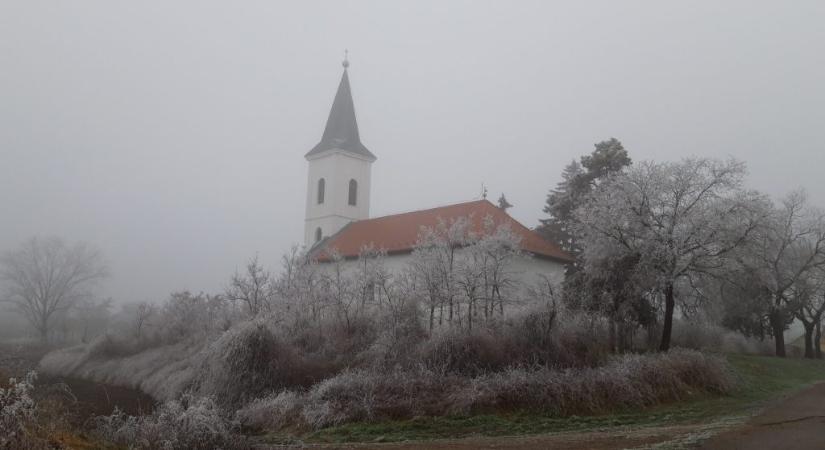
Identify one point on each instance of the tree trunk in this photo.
(667, 328)
(44, 330)
(818, 341)
(777, 320)
(809, 344)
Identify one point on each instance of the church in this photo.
(338, 206)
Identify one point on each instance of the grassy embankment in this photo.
(762, 380)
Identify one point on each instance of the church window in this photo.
(353, 192)
(318, 234)
(321, 186)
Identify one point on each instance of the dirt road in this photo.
(796, 423)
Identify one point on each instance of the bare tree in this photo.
(789, 248)
(143, 312)
(434, 263)
(809, 302)
(255, 288)
(45, 276)
(457, 267)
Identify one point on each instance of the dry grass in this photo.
(628, 381)
(188, 423)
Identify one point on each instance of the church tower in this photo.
(338, 184)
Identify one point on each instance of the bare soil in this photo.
(796, 423)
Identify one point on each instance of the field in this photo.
(763, 380)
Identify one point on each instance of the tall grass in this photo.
(187, 423)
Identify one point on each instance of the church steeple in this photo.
(338, 181)
(341, 132)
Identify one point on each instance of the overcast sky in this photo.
(171, 135)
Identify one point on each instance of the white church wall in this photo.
(337, 169)
(526, 270)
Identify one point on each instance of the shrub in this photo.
(274, 412)
(17, 414)
(188, 423)
(706, 336)
(627, 381)
(362, 395)
(464, 352)
(543, 336)
(247, 362)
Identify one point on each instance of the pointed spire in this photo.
(341, 131)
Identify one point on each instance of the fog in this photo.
(171, 135)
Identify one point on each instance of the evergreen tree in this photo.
(578, 180)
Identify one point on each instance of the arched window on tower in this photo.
(318, 234)
(321, 186)
(353, 192)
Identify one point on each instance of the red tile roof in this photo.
(398, 233)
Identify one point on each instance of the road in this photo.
(796, 423)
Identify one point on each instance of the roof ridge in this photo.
(414, 211)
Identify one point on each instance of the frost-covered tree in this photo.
(465, 274)
(434, 263)
(809, 306)
(46, 277)
(681, 219)
(142, 315)
(483, 273)
(348, 291)
(616, 286)
(186, 315)
(788, 249)
(254, 288)
(578, 180)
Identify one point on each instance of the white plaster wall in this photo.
(337, 168)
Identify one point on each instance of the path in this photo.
(677, 436)
(797, 423)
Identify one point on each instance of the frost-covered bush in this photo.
(354, 395)
(17, 414)
(626, 381)
(188, 423)
(362, 395)
(248, 361)
(274, 412)
(464, 352)
(706, 336)
(544, 336)
(185, 315)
